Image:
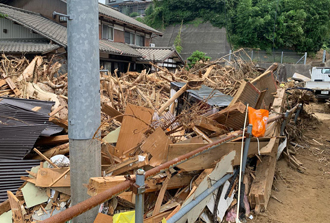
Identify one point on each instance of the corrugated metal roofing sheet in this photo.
(213, 97)
(10, 174)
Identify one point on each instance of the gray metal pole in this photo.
(84, 99)
(139, 200)
(252, 55)
(246, 148)
(285, 121)
(282, 57)
(230, 52)
(305, 59)
(184, 210)
(324, 55)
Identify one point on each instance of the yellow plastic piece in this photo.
(125, 217)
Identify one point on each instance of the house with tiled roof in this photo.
(30, 28)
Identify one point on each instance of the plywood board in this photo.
(266, 82)
(34, 195)
(113, 113)
(112, 137)
(222, 168)
(209, 158)
(157, 145)
(103, 218)
(135, 122)
(47, 176)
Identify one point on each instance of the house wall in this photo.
(44, 7)
(16, 32)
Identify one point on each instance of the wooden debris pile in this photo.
(145, 123)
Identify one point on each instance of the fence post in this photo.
(282, 57)
(252, 55)
(139, 200)
(229, 55)
(324, 55)
(305, 60)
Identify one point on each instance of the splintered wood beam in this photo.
(58, 109)
(15, 206)
(161, 195)
(172, 99)
(52, 140)
(107, 109)
(199, 132)
(60, 122)
(58, 150)
(45, 158)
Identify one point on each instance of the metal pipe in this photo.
(230, 52)
(297, 113)
(324, 56)
(286, 117)
(139, 197)
(282, 57)
(305, 59)
(246, 148)
(100, 198)
(184, 210)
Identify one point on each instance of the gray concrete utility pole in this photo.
(84, 99)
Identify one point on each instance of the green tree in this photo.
(196, 57)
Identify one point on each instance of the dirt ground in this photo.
(305, 196)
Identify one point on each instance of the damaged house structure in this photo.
(30, 28)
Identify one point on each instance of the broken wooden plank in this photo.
(113, 113)
(135, 122)
(16, 209)
(60, 122)
(266, 150)
(209, 158)
(247, 94)
(47, 176)
(199, 132)
(223, 167)
(2, 82)
(45, 158)
(157, 145)
(52, 140)
(58, 150)
(13, 87)
(266, 81)
(261, 187)
(209, 124)
(58, 109)
(161, 195)
(232, 117)
(158, 218)
(103, 218)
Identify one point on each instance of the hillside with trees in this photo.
(300, 25)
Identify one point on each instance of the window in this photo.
(139, 40)
(112, 1)
(129, 38)
(107, 32)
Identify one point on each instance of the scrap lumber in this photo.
(223, 167)
(2, 82)
(12, 86)
(232, 117)
(247, 94)
(52, 140)
(135, 122)
(47, 176)
(161, 195)
(260, 191)
(113, 113)
(15, 206)
(60, 122)
(208, 159)
(199, 132)
(209, 124)
(267, 82)
(266, 150)
(157, 145)
(103, 218)
(55, 111)
(157, 218)
(57, 150)
(45, 158)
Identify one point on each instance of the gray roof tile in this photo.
(37, 23)
(26, 47)
(118, 48)
(157, 54)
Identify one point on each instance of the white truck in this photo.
(320, 82)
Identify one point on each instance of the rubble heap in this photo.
(164, 115)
